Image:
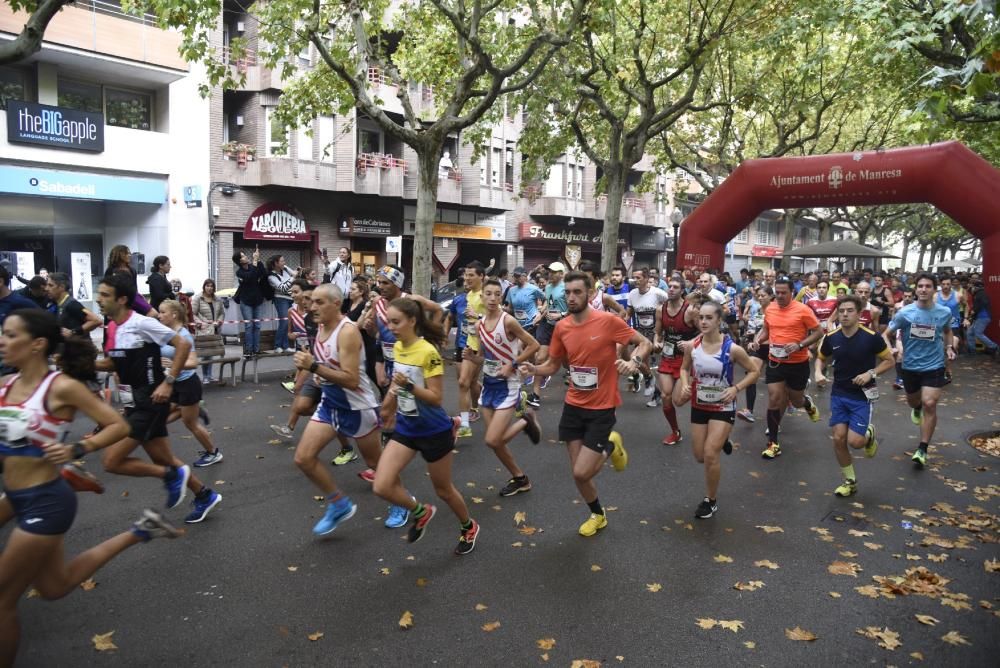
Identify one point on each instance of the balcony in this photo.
(450, 186)
(243, 168)
(379, 174)
(633, 209)
(257, 77)
(102, 28)
(383, 89)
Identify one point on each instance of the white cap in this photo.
(557, 266)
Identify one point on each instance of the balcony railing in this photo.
(243, 62)
(368, 161)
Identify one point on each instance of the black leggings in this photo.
(751, 396)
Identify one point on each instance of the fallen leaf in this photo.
(476, 499)
(384, 571)
(595, 567)
(315, 636)
(834, 594)
(955, 638)
(654, 587)
(859, 534)
(917, 655)
(992, 565)
(750, 644)
(706, 623)
(765, 563)
(527, 531)
(871, 591)
(844, 568)
(722, 559)
(33, 593)
(798, 633)
(480, 607)
(422, 582)
(520, 517)
(274, 441)
(585, 663)
(103, 643)
(406, 621)
(885, 637)
(769, 529)
(517, 544)
(753, 585)
(873, 546)
(927, 619)
(490, 626)
(293, 568)
(544, 656)
(546, 643)
(848, 554)
(733, 625)
(88, 584)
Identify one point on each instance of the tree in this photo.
(636, 72)
(470, 54)
(29, 40)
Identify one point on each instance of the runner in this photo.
(470, 369)
(555, 310)
(924, 327)
(790, 327)
(526, 302)
(707, 381)
(36, 408)
(600, 300)
(618, 287)
(301, 292)
(706, 285)
(755, 322)
(415, 397)
(349, 406)
(950, 299)
(823, 305)
(307, 391)
(859, 355)
(882, 298)
(676, 326)
(810, 290)
(185, 400)
(643, 301)
(980, 315)
(505, 345)
(869, 315)
(587, 341)
(73, 317)
(145, 390)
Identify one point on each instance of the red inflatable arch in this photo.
(947, 175)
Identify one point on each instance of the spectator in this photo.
(159, 287)
(9, 301)
(250, 298)
(185, 301)
(978, 319)
(280, 277)
(73, 317)
(208, 314)
(36, 292)
(340, 272)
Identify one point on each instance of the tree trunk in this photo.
(423, 232)
(614, 176)
(920, 258)
(789, 217)
(906, 252)
(880, 239)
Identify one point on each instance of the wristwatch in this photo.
(409, 386)
(313, 367)
(79, 450)
(169, 379)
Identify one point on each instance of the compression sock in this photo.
(773, 424)
(595, 507)
(922, 447)
(419, 511)
(467, 524)
(848, 472)
(465, 418)
(670, 413)
(751, 397)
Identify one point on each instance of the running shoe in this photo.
(207, 380)
(203, 416)
(947, 377)
(282, 430)
(464, 432)
(467, 541)
(771, 451)
(345, 456)
(650, 388)
(176, 485)
(516, 485)
(207, 458)
(746, 415)
(289, 385)
(474, 415)
(521, 405)
(532, 428)
(81, 480)
(368, 475)
(528, 381)
(673, 438)
(593, 524)
(545, 382)
(419, 526)
(727, 447)
(846, 488)
(151, 525)
(920, 458)
(398, 517)
(336, 513)
(619, 458)
(916, 414)
(706, 509)
(636, 381)
(814, 411)
(871, 447)
(897, 384)
(534, 400)
(653, 403)
(202, 507)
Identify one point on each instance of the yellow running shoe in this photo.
(619, 458)
(814, 412)
(593, 524)
(872, 446)
(771, 451)
(463, 432)
(847, 488)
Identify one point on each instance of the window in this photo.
(369, 141)
(483, 167)
(11, 86)
(126, 109)
(304, 142)
(768, 232)
(578, 184)
(496, 163)
(276, 133)
(80, 96)
(554, 186)
(744, 236)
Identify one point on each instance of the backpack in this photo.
(266, 288)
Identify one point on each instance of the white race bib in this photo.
(824, 324)
(668, 348)
(710, 394)
(584, 377)
(871, 393)
(125, 396)
(778, 352)
(387, 352)
(492, 367)
(521, 315)
(406, 403)
(13, 427)
(646, 320)
(924, 332)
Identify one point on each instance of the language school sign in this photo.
(276, 221)
(30, 123)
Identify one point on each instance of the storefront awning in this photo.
(81, 185)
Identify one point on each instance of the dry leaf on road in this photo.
(595, 567)
(834, 594)
(88, 584)
(585, 663)
(992, 565)
(422, 582)
(491, 626)
(873, 546)
(546, 643)
(752, 585)
(315, 636)
(885, 637)
(103, 643)
(406, 621)
(293, 568)
(384, 571)
(733, 625)
(844, 568)
(798, 633)
(480, 607)
(520, 517)
(769, 529)
(859, 534)
(955, 638)
(722, 559)
(750, 644)
(926, 619)
(706, 623)
(765, 563)
(654, 586)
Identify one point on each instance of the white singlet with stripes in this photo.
(26, 426)
(327, 354)
(498, 349)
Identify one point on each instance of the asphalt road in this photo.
(251, 586)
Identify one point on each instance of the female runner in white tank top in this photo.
(707, 381)
(36, 408)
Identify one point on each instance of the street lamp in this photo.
(676, 216)
(227, 189)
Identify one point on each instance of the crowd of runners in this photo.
(369, 366)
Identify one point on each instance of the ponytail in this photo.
(425, 327)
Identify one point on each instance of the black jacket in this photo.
(980, 304)
(248, 291)
(159, 289)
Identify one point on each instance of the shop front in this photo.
(366, 237)
(461, 236)
(544, 243)
(766, 257)
(648, 246)
(278, 229)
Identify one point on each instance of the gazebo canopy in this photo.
(843, 248)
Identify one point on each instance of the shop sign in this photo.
(767, 251)
(534, 231)
(455, 231)
(81, 185)
(276, 221)
(365, 227)
(649, 239)
(58, 127)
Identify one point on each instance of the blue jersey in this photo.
(555, 295)
(457, 311)
(524, 302)
(853, 355)
(951, 304)
(386, 339)
(922, 330)
(169, 351)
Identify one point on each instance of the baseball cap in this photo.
(557, 266)
(519, 271)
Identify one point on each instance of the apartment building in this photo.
(103, 141)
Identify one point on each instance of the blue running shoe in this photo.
(177, 487)
(398, 517)
(202, 507)
(335, 514)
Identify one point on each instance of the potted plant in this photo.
(228, 150)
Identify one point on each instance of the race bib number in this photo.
(492, 367)
(14, 434)
(779, 352)
(824, 325)
(668, 348)
(584, 377)
(923, 332)
(125, 396)
(553, 317)
(710, 394)
(521, 315)
(387, 352)
(871, 393)
(406, 403)
(646, 320)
